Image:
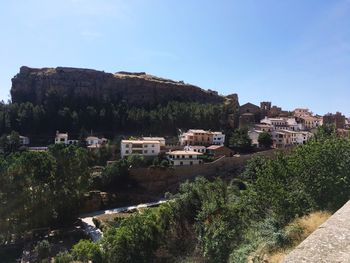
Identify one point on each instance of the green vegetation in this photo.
(265, 140)
(41, 189)
(105, 117)
(219, 221)
(240, 141)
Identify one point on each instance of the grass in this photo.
(298, 231)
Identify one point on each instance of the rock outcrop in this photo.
(89, 86)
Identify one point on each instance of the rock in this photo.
(92, 86)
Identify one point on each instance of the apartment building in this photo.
(180, 158)
(139, 147)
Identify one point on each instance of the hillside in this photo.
(82, 100)
(87, 86)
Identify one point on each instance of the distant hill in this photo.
(82, 87)
(79, 101)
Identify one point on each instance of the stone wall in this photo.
(329, 243)
(158, 180)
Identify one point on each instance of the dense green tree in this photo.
(240, 140)
(265, 140)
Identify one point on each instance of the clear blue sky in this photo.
(295, 53)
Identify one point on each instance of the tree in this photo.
(265, 140)
(240, 140)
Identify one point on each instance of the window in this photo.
(145, 151)
(145, 146)
(183, 156)
(190, 156)
(152, 145)
(127, 146)
(191, 163)
(127, 151)
(181, 163)
(152, 151)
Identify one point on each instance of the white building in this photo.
(179, 158)
(139, 147)
(282, 123)
(61, 138)
(95, 142)
(195, 148)
(218, 138)
(254, 136)
(161, 140)
(23, 140)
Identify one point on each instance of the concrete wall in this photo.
(329, 243)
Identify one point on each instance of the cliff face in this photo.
(90, 86)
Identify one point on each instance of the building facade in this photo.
(180, 158)
(139, 147)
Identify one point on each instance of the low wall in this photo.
(162, 180)
(329, 243)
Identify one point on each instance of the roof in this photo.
(215, 147)
(195, 146)
(140, 141)
(218, 133)
(92, 138)
(197, 131)
(153, 138)
(62, 135)
(251, 105)
(184, 153)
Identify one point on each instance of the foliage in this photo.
(113, 176)
(265, 140)
(105, 117)
(240, 140)
(63, 257)
(9, 143)
(42, 249)
(86, 251)
(41, 189)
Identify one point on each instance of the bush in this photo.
(63, 257)
(42, 249)
(86, 250)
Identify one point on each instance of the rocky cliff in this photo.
(74, 85)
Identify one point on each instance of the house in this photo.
(23, 140)
(218, 138)
(254, 136)
(195, 148)
(62, 138)
(139, 147)
(219, 150)
(160, 139)
(95, 142)
(310, 122)
(201, 137)
(179, 158)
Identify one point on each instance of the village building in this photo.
(62, 138)
(95, 142)
(24, 140)
(335, 119)
(310, 122)
(180, 158)
(201, 137)
(254, 136)
(195, 148)
(139, 147)
(300, 112)
(161, 140)
(219, 151)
